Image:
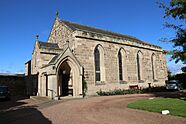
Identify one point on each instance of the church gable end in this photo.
(60, 33)
(35, 58)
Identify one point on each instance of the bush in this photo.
(118, 92)
(131, 91)
(182, 79)
(85, 88)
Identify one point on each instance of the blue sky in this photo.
(21, 20)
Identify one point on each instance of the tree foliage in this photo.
(170, 75)
(177, 11)
(183, 69)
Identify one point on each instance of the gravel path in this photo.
(105, 110)
(94, 110)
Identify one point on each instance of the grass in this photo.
(184, 90)
(175, 106)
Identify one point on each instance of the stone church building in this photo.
(76, 54)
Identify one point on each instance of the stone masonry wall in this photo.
(47, 54)
(16, 84)
(60, 33)
(84, 51)
(35, 62)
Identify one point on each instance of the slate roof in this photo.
(75, 26)
(53, 59)
(46, 45)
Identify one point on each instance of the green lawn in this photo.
(175, 106)
(184, 90)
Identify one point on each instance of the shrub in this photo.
(182, 79)
(118, 92)
(130, 91)
(85, 88)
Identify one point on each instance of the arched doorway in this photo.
(69, 78)
(65, 80)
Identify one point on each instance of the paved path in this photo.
(105, 110)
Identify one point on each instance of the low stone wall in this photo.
(31, 85)
(16, 84)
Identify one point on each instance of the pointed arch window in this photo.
(153, 61)
(120, 66)
(97, 64)
(138, 67)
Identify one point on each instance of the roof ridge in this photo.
(99, 29)
(46, 42)
(48, 45)
(82, 27)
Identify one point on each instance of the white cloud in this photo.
(175, 67)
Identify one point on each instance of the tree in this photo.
(170, 76)
(177, 11)
(183, 69)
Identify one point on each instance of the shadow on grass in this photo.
(176, 94)
(23, 115)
